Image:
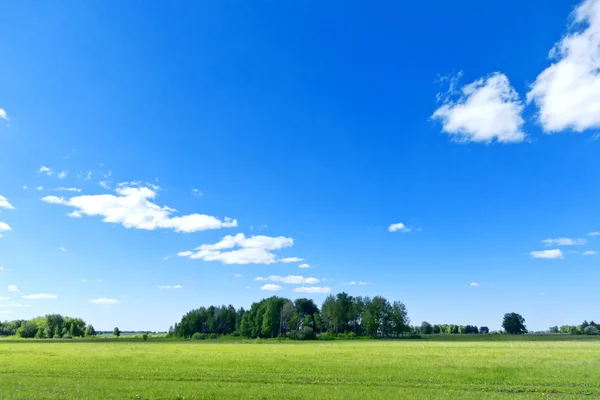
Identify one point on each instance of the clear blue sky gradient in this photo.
(312, 118)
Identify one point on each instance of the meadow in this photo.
(480, 368)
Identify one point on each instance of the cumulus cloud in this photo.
(4, 227)
(5, 204)
(132, 207)
(13, 288)
(247, 250)
(292, 279)
(290, 260)
(304, 266)
(398, 227)
(567, 93)
(589, 253)
(104, 301)
(271, 287)
(556, 253)
(312, 289)
(171, 287)
(62, 175)
(486, 110)
(39, 188)
(564, 242)
(40, 296)
(3, 114)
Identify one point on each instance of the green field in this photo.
(363, 369)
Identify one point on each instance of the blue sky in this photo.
(219, 138)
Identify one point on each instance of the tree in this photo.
(426, 328)
(484, 330)
(514, 324)
(90, 331)
(590, 330)
(399, 318)
(553, 329)
(116, 332)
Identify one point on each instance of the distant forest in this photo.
(340, 316)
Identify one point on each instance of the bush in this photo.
(307, 333)
(590, 330)
(145, 337)
(197, 336)
(214, 336)
(326, 336)
(68, 336)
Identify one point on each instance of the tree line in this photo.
(586, 328)
(299, 319)
(47, 327)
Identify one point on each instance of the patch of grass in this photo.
(421, 369)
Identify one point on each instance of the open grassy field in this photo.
(366, 369)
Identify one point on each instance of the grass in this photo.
(542, 368)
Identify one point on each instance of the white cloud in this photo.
(473, 284)
(13, 288)
(84, 280)
(4, 227)
(252, 250)
(589, 253)
(74, 214)
(66, 189)
(486, 110)
(312, 289)
(62, 175)
(45, 170)
(5, 204)
(271, 287)
(556, 253)
(353, 283)
(40, 296)
(398, 227)
(197, 192)
(62, 249)
(104, 185)
(304, 266)
(564, 242)
(171, 287)
(3, 114)
(290, 260)
(132, 208)
(1, 268)
(238, 275)
(104, 301)
(567, 93)
(4, 298)
(39, 188)
(594, 234)
(24, 187)
(88, 176)
(293, 279)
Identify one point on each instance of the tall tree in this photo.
(514, 324)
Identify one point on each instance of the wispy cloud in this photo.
(399, 227)
(556, 253)
(104, 301)
(271, 287)
(291, 279)
(3, 114)
(304, 266)
(133, 208)
(40, 296)
(473, 284)
(171, 287)
(68, 189)
(62, 249)
(354, 283)
(45, 170)
(62, 175)
(197, 192)
(238, 275)
(589, 253)
(312, 289)
(39, 188)
(594, 234)
(13, 288)
(563, 241)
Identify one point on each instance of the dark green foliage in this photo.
(484, 330)
(47, 327)
(90, 331)
(116, 332)
(426, 328)
(514, 324)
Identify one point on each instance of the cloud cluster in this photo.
(246, 250)
(132, 207)
(271, 287)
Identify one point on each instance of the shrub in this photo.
(307, 333)
(68, 336)
(145, 337)
(214, 336)
(197, 336)
(590, 330)
(326, 336)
